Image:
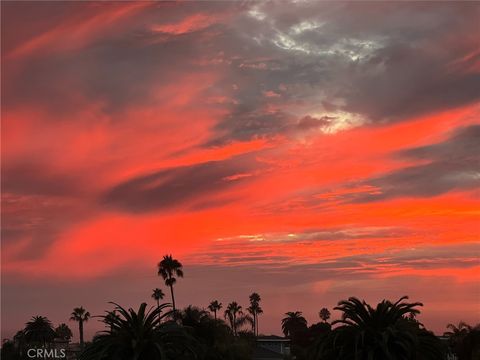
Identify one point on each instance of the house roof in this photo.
(261, 353)
(272, 338)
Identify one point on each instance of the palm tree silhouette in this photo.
(293, 322)
(255, 310)
(464, 340)
(110, 317)
(232, 312)
(63, 332)
(168, 268)
(158, 295)
(137, 335)
(324, 314)
(80, 315)
(192, 316)
(384, 332)
(459, 330)
(214, 307)
(39, 330)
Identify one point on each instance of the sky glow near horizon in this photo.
(308, 152)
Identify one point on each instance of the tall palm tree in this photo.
(384, 332)
(138, 335)
(168, 268)
(232, 313)
(158, 295)
(324, 314)
(214, 307)
(255, 310)
(39, 330)
(63, 332)
(80, 315)
(293, 322)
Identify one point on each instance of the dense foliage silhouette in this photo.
(385, 332)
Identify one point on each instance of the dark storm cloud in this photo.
(176, 186)
(452, 164)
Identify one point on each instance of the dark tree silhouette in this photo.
(80, 315)
(384, 332)
(232, 313)
(63, 332)
(158, 295)
(216, 336)
(20, 341)
(168, 268)
(293, 322)
(9, 351)
(254, 309)
(110, 317)
(242, 320)
(39, 330)
(324, 314)
(457, 331)
(141, 335)
(192, 316)
(464, 340)
(214, 307)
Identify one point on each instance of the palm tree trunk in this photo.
(234, 325)
(159, 311)
(215, 315)
(256, 324)
(80, 330)
(173, 300)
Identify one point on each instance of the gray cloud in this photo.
(37, 179)
(195, 185)
(383, 62)
(118, 67)
(452, 164)
(462, 146)
(279, 64)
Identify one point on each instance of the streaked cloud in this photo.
(312, 151)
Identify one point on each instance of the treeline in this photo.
(387, 331)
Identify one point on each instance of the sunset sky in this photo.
(308, 151)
